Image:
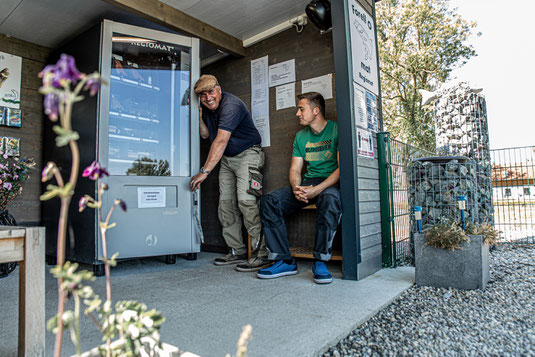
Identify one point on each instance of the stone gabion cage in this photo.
(461, 128)
(436, 182)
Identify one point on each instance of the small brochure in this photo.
(12, 146)
(3, 120)
(13, 117)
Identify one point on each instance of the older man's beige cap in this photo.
(206, 82)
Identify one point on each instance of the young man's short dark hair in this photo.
(315, 99)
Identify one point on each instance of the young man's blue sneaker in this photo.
(321, 274)
(278, 269)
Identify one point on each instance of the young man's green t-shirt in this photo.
(320, 150)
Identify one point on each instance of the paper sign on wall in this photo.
(365, 143)
(10, 79)
(359, 97)
(363, 50)
(150, 197)
(285, 96)
(282, 73)
(322, 85)
(260, 98)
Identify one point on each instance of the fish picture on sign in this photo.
(10, 79)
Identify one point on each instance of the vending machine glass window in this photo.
(149, 117)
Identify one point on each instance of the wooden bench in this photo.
(300, 252)
(27, 247)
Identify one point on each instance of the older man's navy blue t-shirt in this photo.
(232, 115)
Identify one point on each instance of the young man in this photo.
(317, 145)
(236, 143)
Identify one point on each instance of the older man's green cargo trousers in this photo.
(240, 186)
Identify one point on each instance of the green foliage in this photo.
(485, 230)
(420, 43)
(446, 235)
(449, 234)
(146, 166)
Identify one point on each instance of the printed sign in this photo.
(364, 143)
(363, 50)
(10, 79)
(150, 197)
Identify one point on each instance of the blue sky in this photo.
(504, 67)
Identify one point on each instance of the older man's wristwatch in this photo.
(204, 171)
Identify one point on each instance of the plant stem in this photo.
(62, 227)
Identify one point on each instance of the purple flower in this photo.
(93, 84)
(51, 104)
(94, 171)
(63, 70)
(8, 185)
(15, 177)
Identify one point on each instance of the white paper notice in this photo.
(322, 85)
(260, 98)
(364, 143)
(150, 197)
(282, 73)
(285, 96)
(259, 72)
(359, 96)
(371, 109)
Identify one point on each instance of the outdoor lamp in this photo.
(319, 12)
(461, 201)
(418, 217)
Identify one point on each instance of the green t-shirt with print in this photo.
(320, 151)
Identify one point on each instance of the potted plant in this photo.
(448, 256)
(13, 173)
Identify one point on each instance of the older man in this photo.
(226, 120)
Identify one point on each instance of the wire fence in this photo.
(513, 196)
(513, 182)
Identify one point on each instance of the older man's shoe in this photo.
(230, 258)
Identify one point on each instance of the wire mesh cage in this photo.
(461, 128)
(436, 183)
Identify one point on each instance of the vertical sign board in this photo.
(365, 75)
(363, 50)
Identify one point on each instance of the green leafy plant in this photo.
(488, 232)
(447, 234)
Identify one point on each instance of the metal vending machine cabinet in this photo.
(140, 129)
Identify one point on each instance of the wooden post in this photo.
(27, 246)
(32, 294)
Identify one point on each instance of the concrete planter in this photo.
(150, 350)
(467, 268)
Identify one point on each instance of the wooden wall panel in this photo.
(26, 208)
(313, 54)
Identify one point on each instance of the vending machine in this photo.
(143, 128)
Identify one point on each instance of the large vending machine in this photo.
(140, 128)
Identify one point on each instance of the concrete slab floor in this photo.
(206, 306)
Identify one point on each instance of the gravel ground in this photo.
(427, 321)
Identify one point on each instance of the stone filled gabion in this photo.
(461, 128)
(435, 187)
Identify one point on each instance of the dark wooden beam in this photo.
(172, 18)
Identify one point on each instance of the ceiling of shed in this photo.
(51, 22)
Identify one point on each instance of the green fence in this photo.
(394, 158)
(513, 196)
(513, 193)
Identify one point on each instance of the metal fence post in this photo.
(385, 183)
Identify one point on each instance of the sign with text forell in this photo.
(363, 50)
